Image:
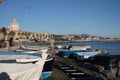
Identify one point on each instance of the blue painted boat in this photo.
(45, 75)
(47, 69)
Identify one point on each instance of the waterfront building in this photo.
(96, 38)
(45, 36)
(89, 38)
(14, 31)
(1, 36)
(34, 35)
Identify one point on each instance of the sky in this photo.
(94, 17)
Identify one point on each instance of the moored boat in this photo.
(69, 50)
(85, 54)
(79, 52)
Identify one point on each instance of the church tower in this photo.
(14, 26)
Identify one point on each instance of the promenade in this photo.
(8, 48)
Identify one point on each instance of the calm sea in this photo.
(113, 47)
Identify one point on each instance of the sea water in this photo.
(113, 47)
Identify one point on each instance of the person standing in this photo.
(11, 41)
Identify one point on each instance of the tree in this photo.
(4, 33)
(12, 33)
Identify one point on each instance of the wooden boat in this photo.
(32, 49)
(69, 50)
(19, 66)
(28, 60)
(83, 47)
(85, 54)
(48, 66)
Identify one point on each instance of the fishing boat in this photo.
(85, 54)
(48, 66)
(32, 49)
(19, 66)
(69, 50)
(24, 66)
(73, 47)
(82, 47)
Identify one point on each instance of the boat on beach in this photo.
(86, 54)
(33, 63)
(32, 49)
(48, 68)
(26, 63)
(79, 52)
(71, 47)
(21, 66)
(69, 50)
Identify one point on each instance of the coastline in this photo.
(7, 48)
(78, 41)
